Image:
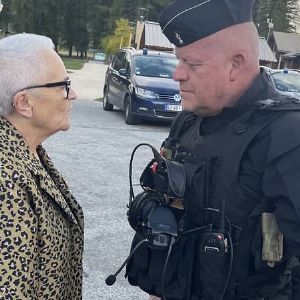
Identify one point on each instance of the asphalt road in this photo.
(88, 82)
(94, 156)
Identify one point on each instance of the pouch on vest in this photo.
(166, 176)
(253, 276)
(145, 269)
(196, 187)
(210, 271)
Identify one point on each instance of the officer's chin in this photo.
(201, 111)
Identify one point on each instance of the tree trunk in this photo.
(70, 50)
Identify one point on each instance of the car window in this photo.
(119, 61)
(155, 66)
(287, 82)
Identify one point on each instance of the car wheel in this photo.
(130, 119)
(106, 104)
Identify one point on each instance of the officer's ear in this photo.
(22, 103)
(237, 65)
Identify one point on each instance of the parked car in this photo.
(100, 56)
(140, 83)
(286, 82)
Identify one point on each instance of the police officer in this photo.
(239, 143)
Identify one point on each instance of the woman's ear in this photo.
(23, 104)
(237, 66)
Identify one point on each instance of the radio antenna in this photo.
(223, 216)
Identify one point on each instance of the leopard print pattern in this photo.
(41, 225)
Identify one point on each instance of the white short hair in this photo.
(21, 65)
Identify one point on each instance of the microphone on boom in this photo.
(111, 279)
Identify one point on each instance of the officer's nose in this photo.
(181, 73)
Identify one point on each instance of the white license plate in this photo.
(173, 107)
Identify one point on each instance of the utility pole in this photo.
(148, 9)
(270, 26)
(131, 24)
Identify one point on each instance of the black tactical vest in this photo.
(212, 165)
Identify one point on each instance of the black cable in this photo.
(194, 229)
(230, 267)
(163, 295)
(155, 154)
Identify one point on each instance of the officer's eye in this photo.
(192, 65)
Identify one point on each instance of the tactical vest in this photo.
(212, 166)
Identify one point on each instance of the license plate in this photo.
(173, 107)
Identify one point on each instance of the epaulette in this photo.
(280, 103)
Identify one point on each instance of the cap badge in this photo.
(178, 37)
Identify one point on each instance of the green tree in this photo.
(98, 15)
(155, 8)
(5, 15)
(81, 38)
(74, 31)
(38, 16)
(120, 38)
(132, 10)
(47, 19)
(282, 13)
(22, 16)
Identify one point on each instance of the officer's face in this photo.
(203, 74)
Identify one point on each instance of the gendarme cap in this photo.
(186, 21)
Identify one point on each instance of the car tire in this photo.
(130, 119)
(106, 104)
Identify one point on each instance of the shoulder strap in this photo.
(182, 121)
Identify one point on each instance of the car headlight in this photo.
(145, 93)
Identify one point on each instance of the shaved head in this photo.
(216, 70)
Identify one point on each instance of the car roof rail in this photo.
(287, 70)
(129, 48)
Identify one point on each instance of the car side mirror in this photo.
(123, 72)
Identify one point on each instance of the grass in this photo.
(73, 63)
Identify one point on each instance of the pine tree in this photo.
(22, 16)
(283, 14)
(155, 8)
(74, 30)
(98, 15)
(5, 15)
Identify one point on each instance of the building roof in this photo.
(265, 52)
(154, 36)
(287, 42)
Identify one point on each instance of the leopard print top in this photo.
(41, 225)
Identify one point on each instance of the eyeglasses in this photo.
(65, 83)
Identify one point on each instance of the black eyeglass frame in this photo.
(66, 83)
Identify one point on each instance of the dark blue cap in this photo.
(186, 21)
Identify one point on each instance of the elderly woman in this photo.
(41, 224)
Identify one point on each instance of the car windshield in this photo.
(155, 66)
(287, 82)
